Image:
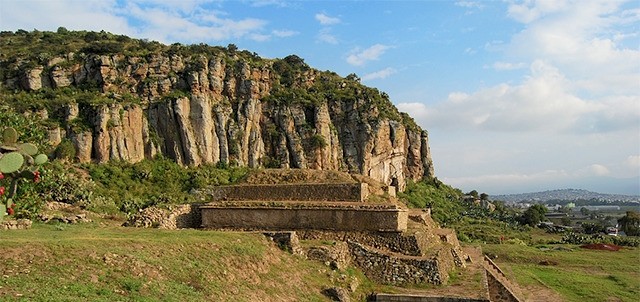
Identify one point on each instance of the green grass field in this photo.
(575, 273)
(102, 261)
(110, 263)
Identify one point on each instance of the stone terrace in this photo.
(349, 192)
(391, 244)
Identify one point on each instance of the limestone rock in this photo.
(337, 294)
(204, 109)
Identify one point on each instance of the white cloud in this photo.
(583, 39)
(500, 66)
(360, 57)
(261, 3)
(165, 21)
(284, 33)
(380, 74)
(572, 119)
(542, 102)
(633, 161)
(183, 6)
(326, 20)
(74, 15)
(205, 25)
(259, 37)
(502, 182)
(469, 4)
(529, 11)
(326, 36)
(595, 169)
(419, 111)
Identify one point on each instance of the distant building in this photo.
(556, 215)
(602, 208)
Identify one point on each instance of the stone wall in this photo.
(420, 298)
(174, 217)
(389, 241)
(273, 218)
(12, 224)
(351, 192)
(397, 269)
(500, 289)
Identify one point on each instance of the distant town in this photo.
(562, 196)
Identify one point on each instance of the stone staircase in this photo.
(500, 288)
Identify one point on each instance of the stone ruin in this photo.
(390, 243)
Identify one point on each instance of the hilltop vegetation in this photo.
(23, 50)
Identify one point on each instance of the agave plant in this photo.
(17, 161)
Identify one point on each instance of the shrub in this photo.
(65, 150)
(316, 142)
(575, 238)
(131, 187)
(431, 193)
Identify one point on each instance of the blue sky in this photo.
(517, 96)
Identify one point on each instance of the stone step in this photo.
(347, 192)
(293, 204)
(277, 216)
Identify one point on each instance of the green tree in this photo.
(584, 211)
(533, 215)
(630, 223)
(593, 228)
(484, 196)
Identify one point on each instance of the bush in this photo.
(317, 141)
(575, 238)
(132, 187)
(431, 193)
(65, 150)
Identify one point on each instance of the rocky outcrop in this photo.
(221, 107)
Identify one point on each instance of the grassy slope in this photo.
(576, 274)
(96, 263)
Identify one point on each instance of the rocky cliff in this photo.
(116, 98)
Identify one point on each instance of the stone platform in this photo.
(345, 192)
(287, 215)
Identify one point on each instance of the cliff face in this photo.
(222, 107)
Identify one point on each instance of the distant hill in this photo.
(566, 195)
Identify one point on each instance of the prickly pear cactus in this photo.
(17, 161)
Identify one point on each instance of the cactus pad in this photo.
(9, 136)
(28, 148)
(11, 162)
(41, 159)
(8, 148)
